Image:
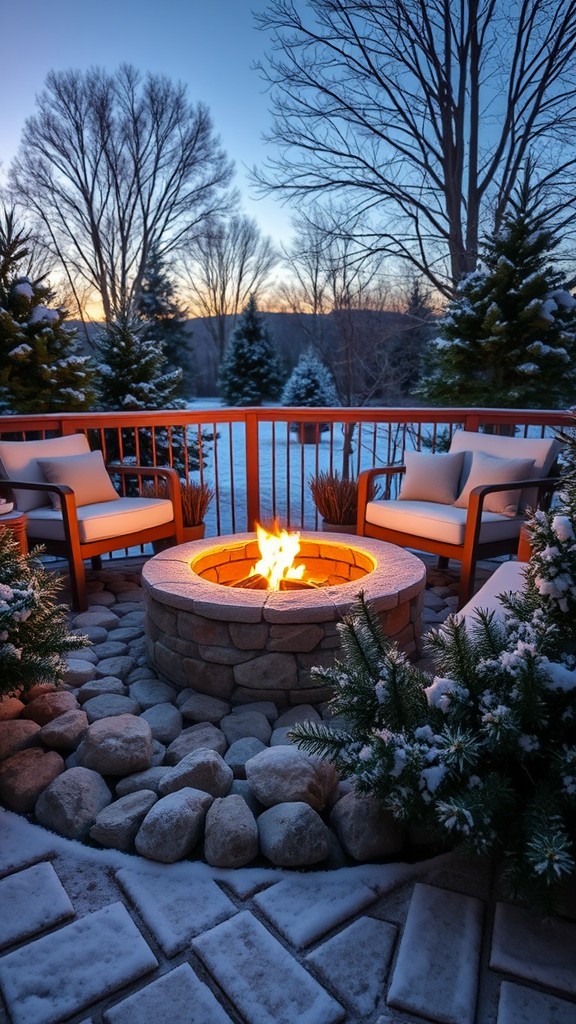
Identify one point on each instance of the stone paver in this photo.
(525, 945)
(304, 908)
(436, 972)
(354, 964)
(32, 901)
(179, 997)
(36, 989)
(261, 978)
(175, 911)
(519, 1005)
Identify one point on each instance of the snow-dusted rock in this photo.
(196, 736)
(50, 705)
(282, 774)
(25, 775)
(78, 671)
(71, 803)
(117, 824)
(200, 707)
(17, 734)
(149, 692)
(117, 746)
(202, 769)
(118, 666)
(248, 723)
(109, 704)
(149, 779)
(172, 828)
(365, 829)
(165, 722)
(240, 752)
(293, 835)
(231, 833)
(66, 731)
(96, 687)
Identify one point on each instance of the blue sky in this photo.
(207, 44)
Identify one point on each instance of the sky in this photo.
(209, 45)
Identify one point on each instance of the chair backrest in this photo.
(19, 461)
(544, 451)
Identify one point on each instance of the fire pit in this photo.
(211, 627)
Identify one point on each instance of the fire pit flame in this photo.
(278, 551)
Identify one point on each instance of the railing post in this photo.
(252, 471)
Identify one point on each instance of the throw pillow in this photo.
(85, 474)
(488, 469)
(431, 477)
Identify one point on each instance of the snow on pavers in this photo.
(354, 964)
(306, 907)
(519, 1005)
(16, 849)
(60, 974)
(436, 973)
(31, 901)
(178, 996)
(540, 950)
(175, 911)
(261, 978)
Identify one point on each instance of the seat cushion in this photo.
(85, 474)
(444, 523)
(544, 451)
(488, 469)
(431, 477)
(104, 520)
(19, 461)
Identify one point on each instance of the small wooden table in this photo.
(16, 522)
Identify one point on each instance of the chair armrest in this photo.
(478, 495)
(67, 502)
(366, 489)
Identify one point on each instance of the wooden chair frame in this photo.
(75, 551)
(471, 550)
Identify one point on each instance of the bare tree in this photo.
(114, 166)
(421, 112)
(224, 264)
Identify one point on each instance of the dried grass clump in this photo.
(196, 497)
(335, 497)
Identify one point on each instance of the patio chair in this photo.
(467, 504)
(73, 508)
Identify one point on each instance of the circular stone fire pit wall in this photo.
(249, 645)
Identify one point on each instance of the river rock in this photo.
(17, 735)
(365, 829)
(293, 835)
(149, 779)
(202, 769)
(200, 707)
(165, 722)
(117, 746)
(196, 736)
(25, 775)
(49, 706)
(106, 705)
(231, 833)
(149, 692)
(249, 723)
(66, 731)
(240, 752)
(117, 824)
(71, 804)
(282, 774)
(172, 828)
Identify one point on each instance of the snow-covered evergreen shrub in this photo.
(34, 634)
(251, 371)
(310, 383)
(483, 753)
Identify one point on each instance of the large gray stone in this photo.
(240, 752)
(17, 734)
(283, 774)
(71, 803)
(66, 731)
(365, 829)
(49, 706)
(202, 769)
(293, 835)
(108, 704)
(119, 666)
(200, 707)
(231, 833)
(96, 687)
(248, 723)
(149, 692)
(149, 779)
(196, 736)
(25, 775)
(120, 745)
(165, 722)
(117, 824)
(172, 828)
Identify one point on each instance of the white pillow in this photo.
(488, 469)
(431, 477)
(18, 461)
(85, 474)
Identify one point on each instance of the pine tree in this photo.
(509, 336)
(165, 321)
(132, 369)
(310, 383)
(41, 368)
(251, 372)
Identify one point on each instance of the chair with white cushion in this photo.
(73, 509)
(466, 504)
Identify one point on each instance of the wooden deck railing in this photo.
(256, 458)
